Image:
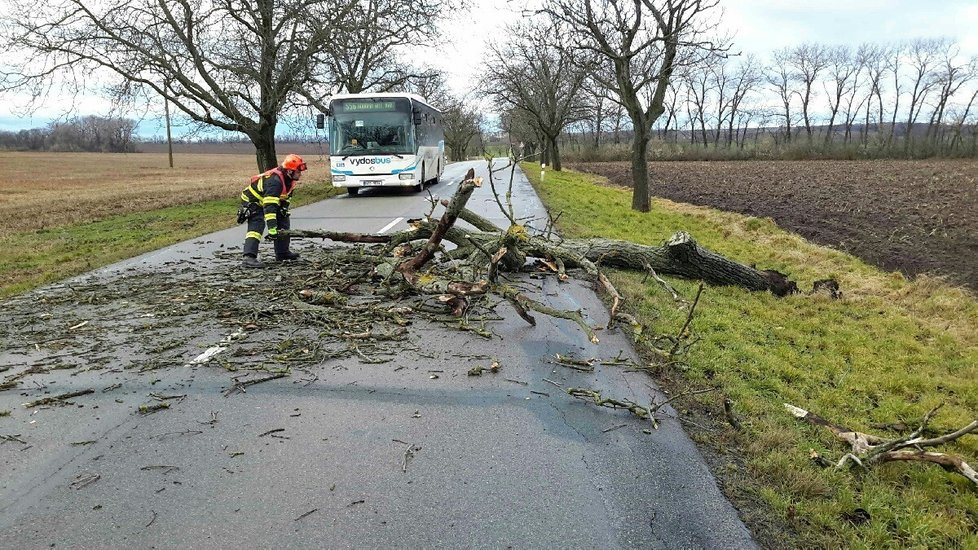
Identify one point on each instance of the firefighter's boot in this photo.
(282, 252)
(251, 262)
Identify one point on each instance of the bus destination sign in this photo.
(366, 106)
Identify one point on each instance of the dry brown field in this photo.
(909, 216)
(46, 190)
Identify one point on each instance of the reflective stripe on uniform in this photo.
(270, 200)
(271, 216)
(253, 235)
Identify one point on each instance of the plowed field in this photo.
(908, 216)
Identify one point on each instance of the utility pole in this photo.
(169, 137)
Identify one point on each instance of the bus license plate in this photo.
(373, 182)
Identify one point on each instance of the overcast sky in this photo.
(760, 27)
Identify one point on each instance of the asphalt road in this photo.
(412, 453)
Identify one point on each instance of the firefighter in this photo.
(266, 203)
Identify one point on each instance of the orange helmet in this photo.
(294, 162)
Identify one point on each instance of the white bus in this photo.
(384, 140)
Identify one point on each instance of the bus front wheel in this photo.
(420, 186)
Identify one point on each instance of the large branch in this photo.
(409, 267)
(867, 449)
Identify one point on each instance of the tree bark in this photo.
(640, 171)
(263, 137)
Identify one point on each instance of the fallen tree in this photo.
(418, 259)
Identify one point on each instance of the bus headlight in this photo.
(339, 177)
(406, 175)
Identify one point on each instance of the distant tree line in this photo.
(82, 134)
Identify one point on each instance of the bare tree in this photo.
(697, 84)
(843, 76)
(746, 79)
(923, 59)
(463, 122)
(876, 57)
(894, 64)
(807, 61)
(962, 118)
(530, 71)
(640, 42)
(951, 76)
(778, 77)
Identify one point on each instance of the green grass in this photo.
(40, 257)
(889, 351)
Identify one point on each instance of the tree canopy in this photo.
(231, 64)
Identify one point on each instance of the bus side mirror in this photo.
(320, 121)
(417, 116)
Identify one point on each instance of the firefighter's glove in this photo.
(243, 213)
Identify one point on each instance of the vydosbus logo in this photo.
(361, 162)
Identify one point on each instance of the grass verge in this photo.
(888, 352)
(35, 258)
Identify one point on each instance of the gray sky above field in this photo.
(759, 26)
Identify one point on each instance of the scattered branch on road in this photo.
(310, 512)
(84, 480)
(239, 386)
(867, 450)
(59, 399)
(594, 396)
(150, 408)
(584, 365)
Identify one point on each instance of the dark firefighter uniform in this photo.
(265, 202)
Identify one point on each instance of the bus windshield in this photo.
(371, 128)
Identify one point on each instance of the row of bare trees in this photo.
(904, 99)
(90, 133)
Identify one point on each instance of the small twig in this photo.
(84, 480)
(675, 295)
(547, 380)
(240, 386)
(314, 510)
(166, 468)
(613, 428)
(689, 319)
(680, 396)
(408, 454)
(151, 520)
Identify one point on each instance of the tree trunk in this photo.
(640, 170)
(680, 256)
(264, 140)
(554, 153)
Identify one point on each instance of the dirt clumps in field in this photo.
(908, 216)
